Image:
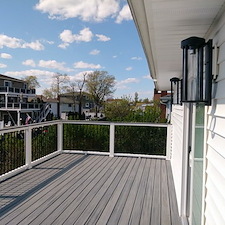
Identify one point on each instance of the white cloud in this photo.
(129, 80)
(29, 62)
(124, 14)
(115, 56)
(102, 37)
(123, 84)
(48, 42)
(129, 68)
(34, 45)
(83, 65)
(63, 45)
(68, 37)
(94, 52)
(147, 77)
(5, 56)
(52, 64)
(79, 76)
(136, 58)
(3, 65)
(86, 10)
(37, 73)
(12, 42)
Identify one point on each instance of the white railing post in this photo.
(28, 146)
(111, 139)
(168, 142)
(60, 136)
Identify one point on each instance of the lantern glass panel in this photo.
(192, 74)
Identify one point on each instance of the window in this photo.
(7, 83)
(69, 105)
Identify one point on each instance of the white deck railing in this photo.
(36, 137)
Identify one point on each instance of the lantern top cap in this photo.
(174, 79)
(193, 42)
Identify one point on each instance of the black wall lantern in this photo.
(176, 90)
(197, 70)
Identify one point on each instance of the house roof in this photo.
(51, 100)
(10, 78)
(162, 25)
(76, 93)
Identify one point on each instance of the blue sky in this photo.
(42, 37)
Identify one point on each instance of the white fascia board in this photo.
(144, 34)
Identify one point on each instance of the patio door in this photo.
(196, 149)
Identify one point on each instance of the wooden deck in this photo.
(77, 189)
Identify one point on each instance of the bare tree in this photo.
(78, 85)
(81, 86)
(31, 81)
(59, 86)
(100, 84)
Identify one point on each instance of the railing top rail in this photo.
(25, 127)
(55, 122)
(115, 123)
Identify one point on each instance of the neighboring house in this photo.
(198, 133)
(18, 104)
(157, 97)
(52, 102)
(142, 106)
(69, 102)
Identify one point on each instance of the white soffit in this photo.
(163, 24)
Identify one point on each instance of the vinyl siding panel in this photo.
(177, 146)
(215, 148)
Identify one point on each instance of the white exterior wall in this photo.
(177, 121)
(215, 146)
(53, 108)
(65, 108)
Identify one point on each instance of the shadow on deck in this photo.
(77, 189)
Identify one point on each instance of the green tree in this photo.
(118, 110)
(31, 81)
(99, 85)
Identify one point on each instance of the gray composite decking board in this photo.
(71, 193)
(103, 191)
(138, 205)
(40, 204)
(16, 180)
(175, 219)
(118, 208)
(103, 219)
(127, 209)
(95, 190)
(55, 192)
(20, 210)
(165, 203)
(99, 177)
(155, 212)
(18, 185)
(92, 194)
(107, 202)
(147, 205)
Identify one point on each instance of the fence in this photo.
(25, 146)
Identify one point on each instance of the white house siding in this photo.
(177, 121)
(53, 108)
(215, 150)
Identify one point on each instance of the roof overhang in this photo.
(162, 25)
